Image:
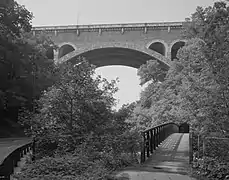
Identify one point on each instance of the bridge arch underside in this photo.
(158, 47)
(116, 56)
(174, 50)
(65, 49)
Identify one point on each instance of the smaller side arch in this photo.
(67, 43)
(175, 46)
(65, 48)
(159, 46)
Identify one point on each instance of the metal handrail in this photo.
(10, 161)
(154, 136)
(160, 125)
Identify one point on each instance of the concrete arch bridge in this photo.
(116, 44)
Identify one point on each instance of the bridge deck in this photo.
(169, 161)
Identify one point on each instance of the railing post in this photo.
(158, 136)
(151, 141)
(143, 148)
(11, 165)
(166, 132)
(5, 169)
(147, 143)
(21, 153)
(154, 139)
(162, 133)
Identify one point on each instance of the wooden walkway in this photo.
(169, 161)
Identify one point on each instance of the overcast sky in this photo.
(68, 12)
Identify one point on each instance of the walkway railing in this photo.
(10, 161)
(154, 136)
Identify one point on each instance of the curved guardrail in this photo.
(154, 136)
(10, 160)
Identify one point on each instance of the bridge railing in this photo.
(154, 136)
(8, 164)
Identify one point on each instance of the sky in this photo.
(72, 12)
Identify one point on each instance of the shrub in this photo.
(212, 168)
(217, 148)
(214, 164)
(67, 167)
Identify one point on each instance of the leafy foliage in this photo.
(67, 167)
(75, 117)
(217, 148)
(152, 70)
(211, 26)
(25, 70)
(195, 89)
(75, 105)
(212, 168)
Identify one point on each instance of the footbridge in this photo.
(166, 148)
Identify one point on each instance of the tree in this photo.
(121, 118)
(196, 86)
(25, 70)
(189, 93)
(151, 71)
(211, 26)
(75, 106)
(158, 103)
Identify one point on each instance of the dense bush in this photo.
(78, 135)
(217, 148)
(67, 167)
(84, 163)
(212, 168)
(25, 68)
(214, 164)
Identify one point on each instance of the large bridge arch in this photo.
(114, 51)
